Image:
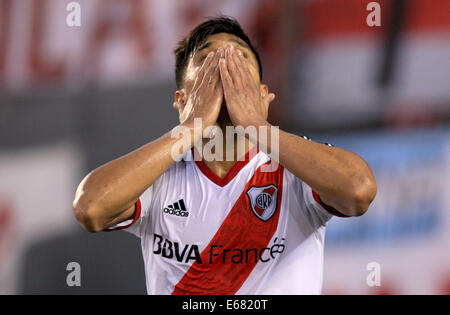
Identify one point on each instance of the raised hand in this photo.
(206, 96)
(247, 101)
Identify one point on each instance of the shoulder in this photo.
(178, 170)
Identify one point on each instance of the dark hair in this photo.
(198, 36)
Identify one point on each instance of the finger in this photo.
(215, 78)
(243, 66)
(244, 70)
(269, 97)
(211, 76)
(203, 69)
(236, 56)
(233, 69)
(212, 80)
(246, 74)
(227, 82)
(215, 72)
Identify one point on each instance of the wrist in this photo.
(256, 123)
(261, 130)
(194, 129)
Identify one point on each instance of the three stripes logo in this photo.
(177, 208)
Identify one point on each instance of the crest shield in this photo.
(263, 201)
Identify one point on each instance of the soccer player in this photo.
(226, 226)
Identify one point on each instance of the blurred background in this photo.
(73, 98)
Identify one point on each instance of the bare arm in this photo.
(341, 178)
(107, 195)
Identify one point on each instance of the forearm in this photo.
(114, 187)
(342, 179)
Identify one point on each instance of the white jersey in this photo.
(252, 232)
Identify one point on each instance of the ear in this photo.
(179, 100)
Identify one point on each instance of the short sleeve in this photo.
(314, 206)
(136, 225)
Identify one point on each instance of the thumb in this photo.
(269, 98)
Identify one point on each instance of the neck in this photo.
(231, 153)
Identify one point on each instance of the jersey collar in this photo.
(235, 169)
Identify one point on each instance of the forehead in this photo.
(213, 42)
(221, 39)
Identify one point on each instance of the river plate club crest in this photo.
(263, 201)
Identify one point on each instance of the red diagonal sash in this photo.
(222, 273)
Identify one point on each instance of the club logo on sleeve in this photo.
(263, 201)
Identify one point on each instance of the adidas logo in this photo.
(177, 208)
